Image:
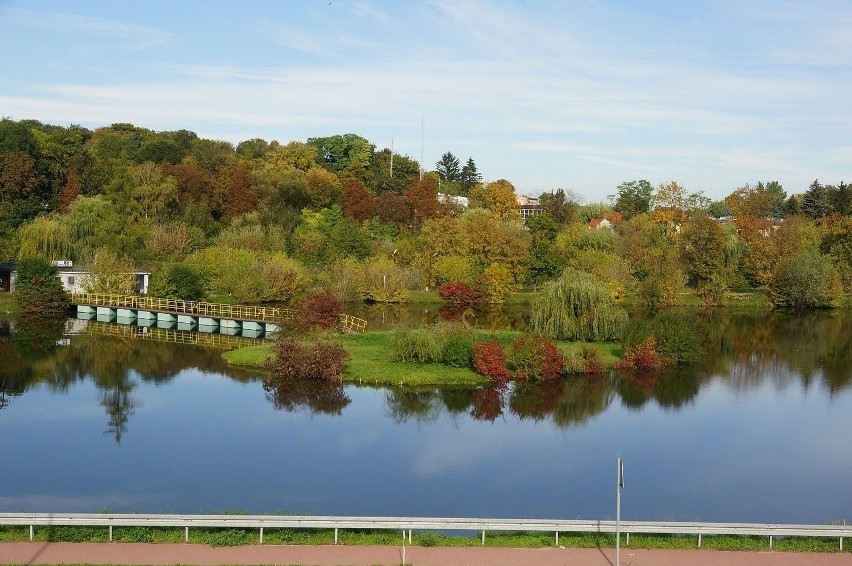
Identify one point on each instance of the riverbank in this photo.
(370, 360)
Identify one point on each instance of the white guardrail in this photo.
(262, 522)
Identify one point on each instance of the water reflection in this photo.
(120, 406)
(745, 349)
(311, 396)
(58, 353)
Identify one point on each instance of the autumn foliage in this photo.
(459, 294)
(321, 360)
(318, 312)
(644, 355)
(536, 357)
(489, 359)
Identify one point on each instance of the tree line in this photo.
(268, 221)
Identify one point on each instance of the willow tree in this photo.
(577, 306)
(46, 237)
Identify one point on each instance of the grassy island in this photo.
(371, 361)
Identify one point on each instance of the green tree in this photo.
(324, 188)
(179, 282)
(840, 199)
(815, 200)
(153, 195)
(46, 237)
(577, 306)
(702, 254)
(489, 239)
(805, 280)
(109, 274)
(562, 207)
(632, 198)
(449, 168)
(469, 176)
(15, 136)
(837, 244)
(38, 290)
(256, 148)
(392, 172)
(341, 152)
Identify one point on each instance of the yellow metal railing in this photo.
(202, 308)
(210, 340)
(179, 306)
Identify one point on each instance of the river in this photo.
(760, 431)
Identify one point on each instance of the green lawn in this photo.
(370, 360)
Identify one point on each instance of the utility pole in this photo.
(391, 166)
(422, 143)
(618, 487)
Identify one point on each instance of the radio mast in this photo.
(422, 143)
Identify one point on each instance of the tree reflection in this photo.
(488, 402)
(671, 387)
(583, 397)
(120, 406)
(530, 400)
(37, 337)
(456, 399)
(311, 395)
(418, 404)
(786, 348)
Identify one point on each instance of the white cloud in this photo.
(131, 36)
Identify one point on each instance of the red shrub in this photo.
(317, 311)
(459, 294)
(489, 359)
(321, 360)
(642, 356)
(536, 357)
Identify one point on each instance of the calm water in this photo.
(761, 431)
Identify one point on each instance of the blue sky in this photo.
(578, 94)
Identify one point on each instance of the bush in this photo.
(459, 294)
(321, 360)
(642, 356)
(317, 312)
(535, 357)
(805, 280)
(179, 282)
(457, 352)
(489, 359)
(677, 338)
(37, 289)
(574, 362)
(592, 360)
(415, 345)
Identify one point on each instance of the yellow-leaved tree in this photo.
(499, 197)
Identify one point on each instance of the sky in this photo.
(573, 94)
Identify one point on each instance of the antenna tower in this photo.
(422, 143)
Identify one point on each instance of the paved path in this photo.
(203, 555)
